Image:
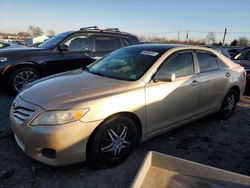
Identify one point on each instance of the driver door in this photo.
(75, 54)
(169, 103)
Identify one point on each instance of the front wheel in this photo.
(113, 142)
(228, 105)
(21, 77)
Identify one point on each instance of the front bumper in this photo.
(67, 141)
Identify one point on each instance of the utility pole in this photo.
(224, 37)
(179, 35)
(186, 36)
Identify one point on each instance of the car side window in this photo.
(182, 65)
(78, 43)
(105, 43)
(126, 42)
(221, 64)
(207, 62)
(118, 43)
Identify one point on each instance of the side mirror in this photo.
(163, 76)
(63, 47)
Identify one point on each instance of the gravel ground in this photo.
(222, 144)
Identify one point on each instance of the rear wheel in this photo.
(228, 105)
(21, 77)
(113, 142)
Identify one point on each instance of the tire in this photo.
(21, 77)
(105, 152)
(228, 105)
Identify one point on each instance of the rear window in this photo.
(207, 62)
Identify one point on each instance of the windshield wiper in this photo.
(97, 73)
(93, 72)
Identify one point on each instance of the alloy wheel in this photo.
(116, 143)
(230, 103)
(23, 78)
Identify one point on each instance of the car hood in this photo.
(19, 50)
(70, 89)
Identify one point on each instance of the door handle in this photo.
(228, 74)
(194, 82)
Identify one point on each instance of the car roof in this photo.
(104, 32)
(155, 47)
(161, 48)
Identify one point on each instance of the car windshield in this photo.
(52, 42)
(125, 64)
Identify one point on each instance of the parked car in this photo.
(234, 51)
(101, 112)
(229, 52)
(244, 60)
(65, 51)
(8, 45)
(222, 50)
(36, 44)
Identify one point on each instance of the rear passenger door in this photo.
(214, 81)
(104, 44)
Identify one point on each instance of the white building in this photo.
(35, 39)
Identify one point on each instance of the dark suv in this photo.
(66, 51)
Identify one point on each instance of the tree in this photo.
(234, 43)
(23, 34)
(34, 30)
(211, 36)
(51, 33)
(243, 41)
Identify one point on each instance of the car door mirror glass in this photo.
(163, 76)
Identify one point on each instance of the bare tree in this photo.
(51, 33)
(34, 30)
(211, 37)
(23, 34)
(243, 41)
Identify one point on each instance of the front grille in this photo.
(21, 113)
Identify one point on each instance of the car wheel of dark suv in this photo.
(228, 105)
(21, 77)
(113, 142)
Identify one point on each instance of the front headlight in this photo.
(59, 117)
(3, 59)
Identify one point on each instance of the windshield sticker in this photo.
(144, 52)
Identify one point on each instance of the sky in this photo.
(152, 18)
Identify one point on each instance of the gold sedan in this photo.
(101, 112)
